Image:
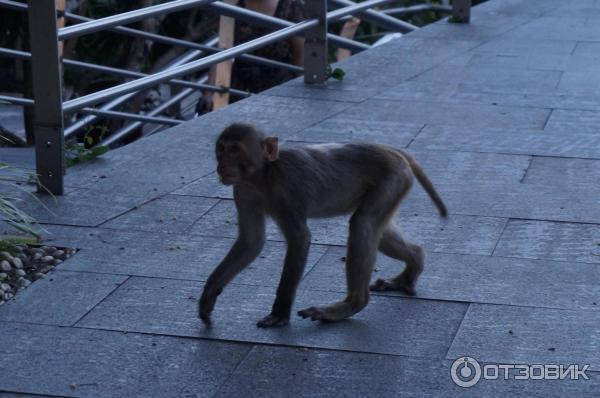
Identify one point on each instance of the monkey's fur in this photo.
(326, 180)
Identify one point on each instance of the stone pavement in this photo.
(504, 115)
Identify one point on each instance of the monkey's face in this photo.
(237, 161)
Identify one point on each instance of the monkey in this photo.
(324, 180)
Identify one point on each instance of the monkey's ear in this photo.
(271, 148)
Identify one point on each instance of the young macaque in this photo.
(291, 185)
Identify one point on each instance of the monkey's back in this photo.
(331, 179)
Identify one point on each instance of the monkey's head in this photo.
(242, 152)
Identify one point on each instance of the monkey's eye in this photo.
(220, 148)
(234, 149)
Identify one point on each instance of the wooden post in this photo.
(461, 11)
(223, 69)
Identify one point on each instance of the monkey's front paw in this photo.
(273, 321)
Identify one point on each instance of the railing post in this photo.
(315, 44)
(47, 93)
(461, 11)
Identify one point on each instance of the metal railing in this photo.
(50, 110)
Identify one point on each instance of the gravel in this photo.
(26, 264)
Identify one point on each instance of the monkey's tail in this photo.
(426, 183)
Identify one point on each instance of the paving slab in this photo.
(390, 325)
(570, 120)
(503, 46)
(557, 28)
(457, 234)
(563, 173)
(550, 240)
(529, 335)
(282, 371)
(96, 363)
(577, 144)
(265, 111)
(188, 259)
(447, 114)
(81, 207)
(167, 214)
(207, 186)
(479, 279)
(61, 298)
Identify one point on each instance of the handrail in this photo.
(149, 81)
(50, 108)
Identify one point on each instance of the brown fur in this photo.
(326, 180)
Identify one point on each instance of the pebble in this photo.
(17, 262)
(38, 275)
(24, 282)
(46, 259)
(37, 256)
(5, 256)
(8, 296)
(3, 276)
(20, 272)
(59, 254)
(5, 266)
(5, 287)
(57, 261)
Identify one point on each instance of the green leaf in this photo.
(338, 74)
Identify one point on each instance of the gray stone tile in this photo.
(292, 372)
(94, 363)
(528, 335)
(556, 28)
(61, 298)
(578, 143)
(207, 186)
(81, 208)
(563, 172)
(328, 92)
(567, 242)
(336, 130)
(574, 83)
(186, 258)
(490, 74)
(18, 157)
(535, 60)
(480, 279)
(167, 214)
(504, 200)
(447, 114)
(587, 48)
(570, 120)
(276, 115)
(390, 325)
(458, 234)
(502, 46)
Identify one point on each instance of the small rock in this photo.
(38, 275)
(17, 263)
(46, 268)
(23, 257)
(2, 301)
(46, 259)
(3, 276)
(37, 256)
(45, 249)
(5, 266)
(24, 282)
(56, 261)
(8, 296)
(19, 249)
(5, 287)
(59, 254)
(20, 272)
(5, 256)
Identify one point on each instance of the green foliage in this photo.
(337, 73)
(11, 181)
(80, 152)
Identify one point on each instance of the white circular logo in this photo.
(465, 372)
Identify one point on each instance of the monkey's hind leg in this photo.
(394, 245)
(366, 227)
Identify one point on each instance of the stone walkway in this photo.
(504, 115)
